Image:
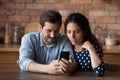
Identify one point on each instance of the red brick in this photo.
(101, 2)
(73, 7)
(115, 1)
(27, 12)
(115, 13)
(15, 6)
(104, 12)
(44, 1)
(62, 1)
(55, 6)
(35, 6)
(3, 18)
(2, 24)
(19, 18)
(7, 12)
(5, 0)
(81, 1)
(112, 7)
(94, 7)
(97, 13)
(35, 18)
(40, 11)
(3, 12)
(91, 19)
(113, 26)
(84, 12)
(23, 1)
(118, 19)
(11, 12)
(105, 20)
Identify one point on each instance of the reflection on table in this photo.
(112, 73)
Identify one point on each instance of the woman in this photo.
(87, 50)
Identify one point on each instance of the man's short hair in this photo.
(50, 16)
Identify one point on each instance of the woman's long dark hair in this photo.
(83, 23)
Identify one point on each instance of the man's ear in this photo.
(40, 27)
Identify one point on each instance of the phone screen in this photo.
(65, 55)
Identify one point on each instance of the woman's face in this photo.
(74, 33)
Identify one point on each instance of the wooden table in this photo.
(112, 73)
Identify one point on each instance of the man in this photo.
(40, 51)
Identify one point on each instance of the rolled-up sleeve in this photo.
(26, 53)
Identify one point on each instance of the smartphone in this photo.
(65, 55)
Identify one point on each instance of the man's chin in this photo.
(51, 41)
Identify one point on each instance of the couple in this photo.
(40, 51)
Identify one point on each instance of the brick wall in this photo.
(105, 13)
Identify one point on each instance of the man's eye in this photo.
(56, 31)
(48, 30)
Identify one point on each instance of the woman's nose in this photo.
(72, 35)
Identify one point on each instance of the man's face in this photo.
(50, 32)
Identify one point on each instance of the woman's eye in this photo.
(77, 31)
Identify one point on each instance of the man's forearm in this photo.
(36, 67)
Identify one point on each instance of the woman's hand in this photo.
(87, 45)
(72, 64)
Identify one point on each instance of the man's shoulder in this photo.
(33, 37)
(32, 34)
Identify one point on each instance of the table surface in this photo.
(112, 73)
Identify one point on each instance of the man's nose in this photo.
(52, 34)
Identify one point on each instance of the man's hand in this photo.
(54, 67)
(67, 66)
